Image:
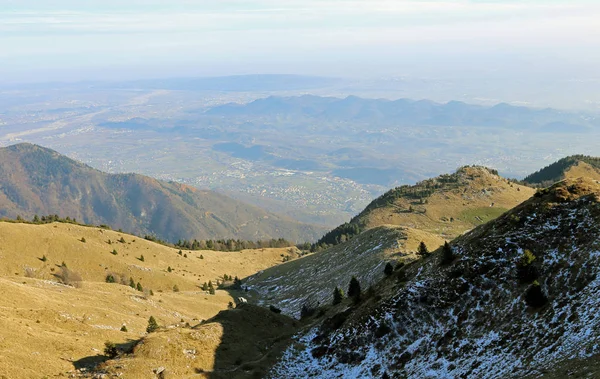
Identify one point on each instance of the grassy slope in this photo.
(560, 169)
(35, 180)
(468, 202)
(238, 343)
(74, 323)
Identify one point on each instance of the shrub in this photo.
(308, 309)
(175, 288)
(389, 269)
(211, 290)
(43, 258)
(354, 289)
(30, 272)
(114, 252)
(237, 283)
(338, 296)
(110, 278)
(124, 328)
(526, 271)
(68, 277)
(122, 240)
(131, 283)
(169, 269)
(152, 325)
(141, 258)
(110, 349)
(82, 239)
(534, 296)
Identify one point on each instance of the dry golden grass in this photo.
(238, 343)
(449, 213)
(582, 169)
(46, 328)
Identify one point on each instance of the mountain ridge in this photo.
(36, 180)
(481, 315)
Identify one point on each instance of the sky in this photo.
(48, 40)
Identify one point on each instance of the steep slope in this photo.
(574, 166)
(520, 297)
(313, 278)
(59, 328)
(35, 180)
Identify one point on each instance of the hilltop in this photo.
(446, 206)
(519, 298)
(59, 327)
(35, 180)
(570, 167)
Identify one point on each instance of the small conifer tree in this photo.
(338, 295)
(139, 287)
(389, 269)
(110, 349)
(175, 288)
(131, 283)
(422, 250)
(447, 254)
(354, 289)
(152, 325)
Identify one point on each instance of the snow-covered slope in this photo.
(470, 318)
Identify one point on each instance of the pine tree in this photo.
(338, 296)
(354, 289)
(389, 269)
(447, 254)
(131, 283)
(139, 287)
(152, 325)
(423, 251)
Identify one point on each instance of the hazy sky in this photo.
(89, 39)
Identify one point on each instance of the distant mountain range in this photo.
(412, 113)
(35, 180)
